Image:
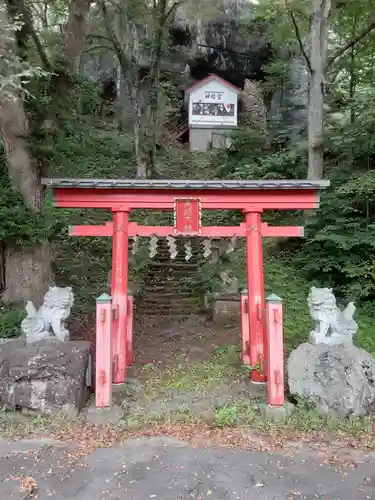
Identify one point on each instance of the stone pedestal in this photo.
(47, 376)
(336, 380)
(227, 309)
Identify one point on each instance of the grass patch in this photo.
(227, 416)
(14, 424)
(201, 376)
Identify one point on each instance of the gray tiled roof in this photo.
(184, 184)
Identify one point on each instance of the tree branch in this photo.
(21, 8)
(75, 32)
(172, 9)
(351, 43)
(97, 47)
(298, 36)
(98, 37)
(122, 59)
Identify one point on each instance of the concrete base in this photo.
(129, 387)
(227, 312)
(276, 413)
(258, 388)
(334, 339)
(116, 388)
(104, 416)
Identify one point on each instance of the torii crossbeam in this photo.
(206, 231)
(187, 198)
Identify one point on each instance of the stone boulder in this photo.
(337, 380)
(254, 111)
(47, 376)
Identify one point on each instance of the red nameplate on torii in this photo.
(187, 216)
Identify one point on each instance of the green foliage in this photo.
(10, 321)
(340, 247)
(226, 416)
(19, 225)
(248, 159)
(277, 76)
(16, 71)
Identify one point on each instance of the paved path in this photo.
(166, 469)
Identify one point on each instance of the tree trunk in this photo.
(141, 170)
(160, 19)
(75, 32)
(353, 77)
(318, 56)
(126, 47)
(27, 273)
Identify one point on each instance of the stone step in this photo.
(179, 260)
(165, 293)
(156, 299)
(168, 279)
(172, 302)
(166, 290)
(174, 264)
(178, 274)
(162, 269)
(163, 284)
(181, 252)
(168, 299)
(169, 312)
(171, 290)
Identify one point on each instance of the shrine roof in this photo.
(211, 185)
(210, 78)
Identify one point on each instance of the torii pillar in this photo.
(256, 299)
(119, 291)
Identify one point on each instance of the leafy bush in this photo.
(10, 321)
(227, 416)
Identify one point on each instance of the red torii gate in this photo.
(187, 198)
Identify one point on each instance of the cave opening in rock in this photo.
(180, 36)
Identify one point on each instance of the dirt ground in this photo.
(165, 341)
(187, 367)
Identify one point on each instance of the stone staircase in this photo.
(169, 285)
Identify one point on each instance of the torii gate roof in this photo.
(129, 194)
(200, 185)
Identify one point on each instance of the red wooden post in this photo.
(103, 374)
(129, 332)
(245, 333)
(120, 247)
(275, 364)
(255, 285)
